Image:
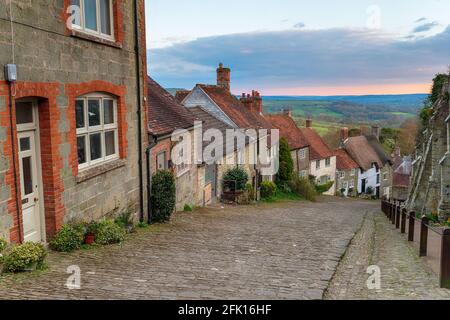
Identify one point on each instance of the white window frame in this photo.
(86, 131)
(353, 172)
(98, 32)
(341, 174)
(327, 162)
(351, 184)
(318, 164)
(302, 154)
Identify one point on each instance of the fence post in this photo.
(393, 212)
(423, 236)
(445, 260)
(403, 225)
(397, 216)
(412, 216)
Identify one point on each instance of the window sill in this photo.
(93, 38)
(96, 171)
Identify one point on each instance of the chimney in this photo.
(223, 77)
(288, 112)
(257, 102)
(309, 123)
(376, 132)
(247, 101)
(344, 134)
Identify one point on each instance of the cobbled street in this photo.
(286, 250)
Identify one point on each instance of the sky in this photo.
(300, 47)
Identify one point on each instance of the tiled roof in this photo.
(318, 149)
(344, 161)
(400, 180)
(289, 130)
(211, 122)
(165, 113)
(234, 109)
(362, 152)
(181, 94)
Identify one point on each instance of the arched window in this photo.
(97, 129)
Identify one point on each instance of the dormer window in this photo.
(96, 17)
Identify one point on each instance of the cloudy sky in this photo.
(300, 47)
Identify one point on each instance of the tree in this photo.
(286, 169)
(407, 136)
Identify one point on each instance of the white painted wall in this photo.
(371, 176)
(325, 171)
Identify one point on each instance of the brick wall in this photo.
(55, 66)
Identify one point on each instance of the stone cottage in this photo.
(375, 166)
(165, 116)
(346, 174)
(72, 113)
(297, 142)
(241, 114)
(430, 181)
(322, 159)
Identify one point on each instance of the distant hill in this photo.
(389, 110)
(173, 91)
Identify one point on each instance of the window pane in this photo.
(105, 16)
(110, 143)
(108, 111)
(90, 14)
(24, 112)
(96, 146)
(76, 13)
(81, 147)
(94, 113)
(79, 112)
(25, 144)
(27, 176)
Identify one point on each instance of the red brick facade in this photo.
(49, 116)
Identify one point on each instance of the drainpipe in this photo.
(148, 153)
(139, 105)
(13, 148)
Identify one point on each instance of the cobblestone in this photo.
(403, 274)
(272, 251)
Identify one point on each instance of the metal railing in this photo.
(432, 243)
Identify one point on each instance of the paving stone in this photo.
(236, 252)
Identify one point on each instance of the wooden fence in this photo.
(432, 243)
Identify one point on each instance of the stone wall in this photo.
(54, 64)
(430, 182)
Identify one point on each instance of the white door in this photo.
(30, 183)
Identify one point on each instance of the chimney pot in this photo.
(344, 134)
(223, 77)
(309, 123)
(376, 132)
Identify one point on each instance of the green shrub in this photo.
(163, 195)
(108, 232)
(369, 191)
(235, 179)
(320, 189)
(26, 256)
(126, 220)
(92, 227)
(3, 244)
(68, 239)
(286, 169)
(250, 192)
(303, 188)
(268, 189)
(188, 208)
